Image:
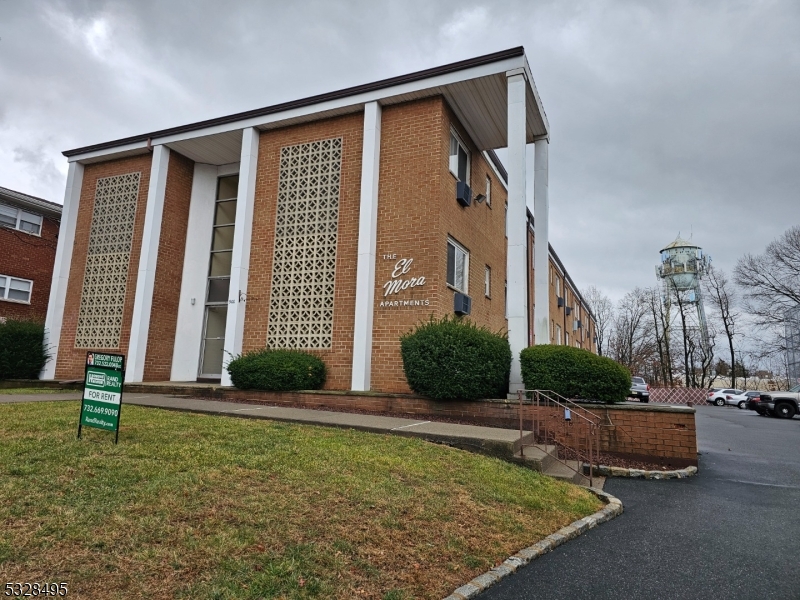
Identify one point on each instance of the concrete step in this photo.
(540, 456)
(563, 471)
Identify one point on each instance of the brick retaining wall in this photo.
(663, 434)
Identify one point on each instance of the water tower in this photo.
(683, 265)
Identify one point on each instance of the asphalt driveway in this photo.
(731, 532)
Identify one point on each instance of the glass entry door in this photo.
(219, 279)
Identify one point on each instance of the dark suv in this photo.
(754, 402)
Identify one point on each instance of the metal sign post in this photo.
(102, 392)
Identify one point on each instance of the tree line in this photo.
(746, 314)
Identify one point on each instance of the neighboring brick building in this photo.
(333, 223)
(28, 239)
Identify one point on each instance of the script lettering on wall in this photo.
(400, 281)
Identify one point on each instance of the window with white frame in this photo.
(488, 191)
(457, 266)
(16, 218)
(558, 287)
(566, 338)
(459, 158)
(15, 289)
(506, 217)
(558, 335)
(487, 282)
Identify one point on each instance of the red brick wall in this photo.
(350, 128)
(169, 268)
(29, 257)
(417, 211)
(71, 360)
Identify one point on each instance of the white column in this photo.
(240, 261)
(541, 250)
(367, 244)
(148, 259)
(61, 266)
(516, 265)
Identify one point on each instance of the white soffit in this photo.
(218, 149)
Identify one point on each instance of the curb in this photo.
(612, 509)
(605, 471)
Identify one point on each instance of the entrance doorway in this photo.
(219, 279)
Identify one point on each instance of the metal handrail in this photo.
(541, 428)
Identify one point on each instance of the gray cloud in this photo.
(665, 117)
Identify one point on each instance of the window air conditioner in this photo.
(463, 193)
(462, 304)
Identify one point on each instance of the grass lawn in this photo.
(12, 391)
(194, 506)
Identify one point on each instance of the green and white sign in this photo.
(102, 392)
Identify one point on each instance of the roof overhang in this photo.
(475, 89)
(31, 203)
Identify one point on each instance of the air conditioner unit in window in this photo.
(568, 310)
(462, 304)
(560, 302)
(576, 325)
(463, 193)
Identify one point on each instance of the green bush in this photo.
(574, 373)
(22, 351)
(277, 370)
(454, 359)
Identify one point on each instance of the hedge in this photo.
(574, 373)
(277, 370)
(452, 358)
(22, 351)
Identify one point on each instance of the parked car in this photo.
(640, 389)
(721, 397)
(782, 404)
(754, 402)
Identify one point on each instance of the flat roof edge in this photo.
(311, 100)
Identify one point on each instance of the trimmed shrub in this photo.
(277, 370)
(453, 359)
(574, 373)
(22, 352)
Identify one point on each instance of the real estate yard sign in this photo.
(102, 392)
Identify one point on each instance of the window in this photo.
(558, 335)
(19, 219)
(566, 338)
(558, 287)
(506, 222)
(487, 282)
(457, 266)
(14, 289)
(488, 191)
(459, 158)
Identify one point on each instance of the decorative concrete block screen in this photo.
(107, 260)
(304, 264)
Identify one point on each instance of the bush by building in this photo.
(574, 373)
(22, 351)
(453, 359)
(277, 370)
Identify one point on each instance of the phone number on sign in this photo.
(22, 590)
(100, 410)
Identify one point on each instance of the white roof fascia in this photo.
(357, 100)
(108, 152)
(539, 105)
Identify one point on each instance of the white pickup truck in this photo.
(640, 389)
(782, 404)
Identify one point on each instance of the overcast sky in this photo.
(665, 117)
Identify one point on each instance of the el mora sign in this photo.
(102, 392)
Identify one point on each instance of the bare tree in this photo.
(631, 341)
(771, 281)
(655, 305)
(723, 300)
(603, 312)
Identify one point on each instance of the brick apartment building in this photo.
(333, 223)
(28, 239)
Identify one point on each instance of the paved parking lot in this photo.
(731, 532)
